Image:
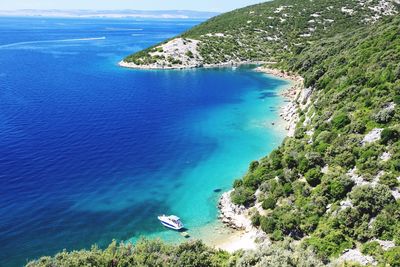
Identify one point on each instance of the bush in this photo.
(267, 224)
(389, 136)
(277, 235)
(255, 219)
(371, 248)
(330, 244)
(269, 203)
(313, 177)
(389, 179)
(237, 183)
(338, 187)
(371, 200)
(340, 121)
(242, 196)
(392, 257)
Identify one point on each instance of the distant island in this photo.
(330, 193)
(141, 14)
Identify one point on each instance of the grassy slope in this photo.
(354, 71)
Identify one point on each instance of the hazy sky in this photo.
(204, 5)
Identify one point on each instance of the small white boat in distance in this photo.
(172, 222)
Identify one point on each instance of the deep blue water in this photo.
(90, 151)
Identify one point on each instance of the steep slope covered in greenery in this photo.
(335, 184)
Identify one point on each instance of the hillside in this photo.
(331, 190)
(264, 32)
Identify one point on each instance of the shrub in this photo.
(242, 196)
(267, 224)
(371, 248)
(338, 187)
(340, 121)
(269, 203)
(389, 179)
(371, 200)
(389, 136)
(332, 243)
(383, 116)
(277, 235)
(237, 183)
(255, 219)
(253, 165)
(392, 257)
(313, 177)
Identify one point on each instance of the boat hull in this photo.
(170, 226)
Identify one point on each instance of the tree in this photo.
(340, 121)
(389, 136)
(242, 196)
(269, 203)
(371, 200)
(313, 176)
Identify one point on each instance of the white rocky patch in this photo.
(347, 10)
(185, 51)
(372, 136)
(355, 255)
(385, 245)
(385, 156)
(359, 180)
(344, 204)
(273, 38)
(396, 193)
(325, 169)
(238, 217)
(215, 35)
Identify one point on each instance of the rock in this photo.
(354, 255)
(386, 245)
(372, 136)
(385, 156)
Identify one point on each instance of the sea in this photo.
(91, 152)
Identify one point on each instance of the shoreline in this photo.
(239, 232)
(230, 64)
(238, 218)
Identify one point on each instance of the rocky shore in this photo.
(156, 66)
(238, 217)
(295, 95)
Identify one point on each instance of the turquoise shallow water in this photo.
(91, 152)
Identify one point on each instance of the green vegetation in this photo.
(144, 253)
(326, 187)
(191, 254)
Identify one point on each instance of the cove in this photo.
(91, 152)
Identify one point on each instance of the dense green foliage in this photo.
(191, 254)
(144, 253)
(355, 82)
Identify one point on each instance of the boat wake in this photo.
(51, 41)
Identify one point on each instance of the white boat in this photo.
(173, 222)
